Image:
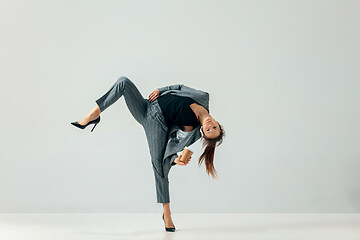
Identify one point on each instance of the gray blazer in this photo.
(178, 139)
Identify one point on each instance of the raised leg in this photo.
(94, 114)
(135, 102)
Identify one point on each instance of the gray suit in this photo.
(163, 142)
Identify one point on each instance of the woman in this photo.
(172, 117)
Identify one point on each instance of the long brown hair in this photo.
(209, 151)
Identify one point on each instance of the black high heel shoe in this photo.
(95, 121)
(168, 229)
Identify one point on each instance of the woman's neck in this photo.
(200, 112)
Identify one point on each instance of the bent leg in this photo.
(133, 98)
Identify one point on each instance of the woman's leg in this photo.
(157, 140)
(167, 216)
(133, 98)
(94, 114)
(135, 102)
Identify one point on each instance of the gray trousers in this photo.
(149, 115)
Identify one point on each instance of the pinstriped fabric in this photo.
(156, 133)
(133, 98)
(149, 115)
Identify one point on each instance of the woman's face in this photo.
(210, 127)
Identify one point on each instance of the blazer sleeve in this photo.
(182, 87)
(172, 163)
(200, 92)
(170, 87)
(193, 147)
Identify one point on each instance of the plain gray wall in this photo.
(283, 78)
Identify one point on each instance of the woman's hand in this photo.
(180, 162)
(154, 95)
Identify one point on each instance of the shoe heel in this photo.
(94, 127)
(168, 229)
(96, 121)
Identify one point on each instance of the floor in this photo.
(188, 226)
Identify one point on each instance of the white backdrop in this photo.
(283, 78)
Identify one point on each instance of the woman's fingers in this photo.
(181, 161)
(153, 96)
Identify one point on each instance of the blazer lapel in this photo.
(179, 139)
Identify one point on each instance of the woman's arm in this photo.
(200, 92)
(171, 87)
(157, 92)
(182, 87)
(177, 160)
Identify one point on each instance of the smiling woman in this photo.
(167, 110)
(211, 127)
(187, 113)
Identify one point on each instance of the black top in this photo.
(177, 111)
